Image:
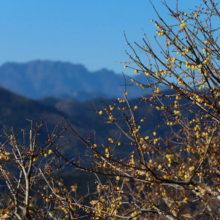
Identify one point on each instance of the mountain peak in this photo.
(44, 78)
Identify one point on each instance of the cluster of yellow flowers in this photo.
(183, 24)
(5, 156)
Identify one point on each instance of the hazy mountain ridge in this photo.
(39, 79)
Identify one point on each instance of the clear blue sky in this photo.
(89, 32)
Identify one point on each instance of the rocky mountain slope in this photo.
(40, 79)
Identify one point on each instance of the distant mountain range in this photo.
(40, 79)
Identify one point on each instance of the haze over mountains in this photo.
(40, 79)
(15, 109)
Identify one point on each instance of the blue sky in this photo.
(89, 32)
